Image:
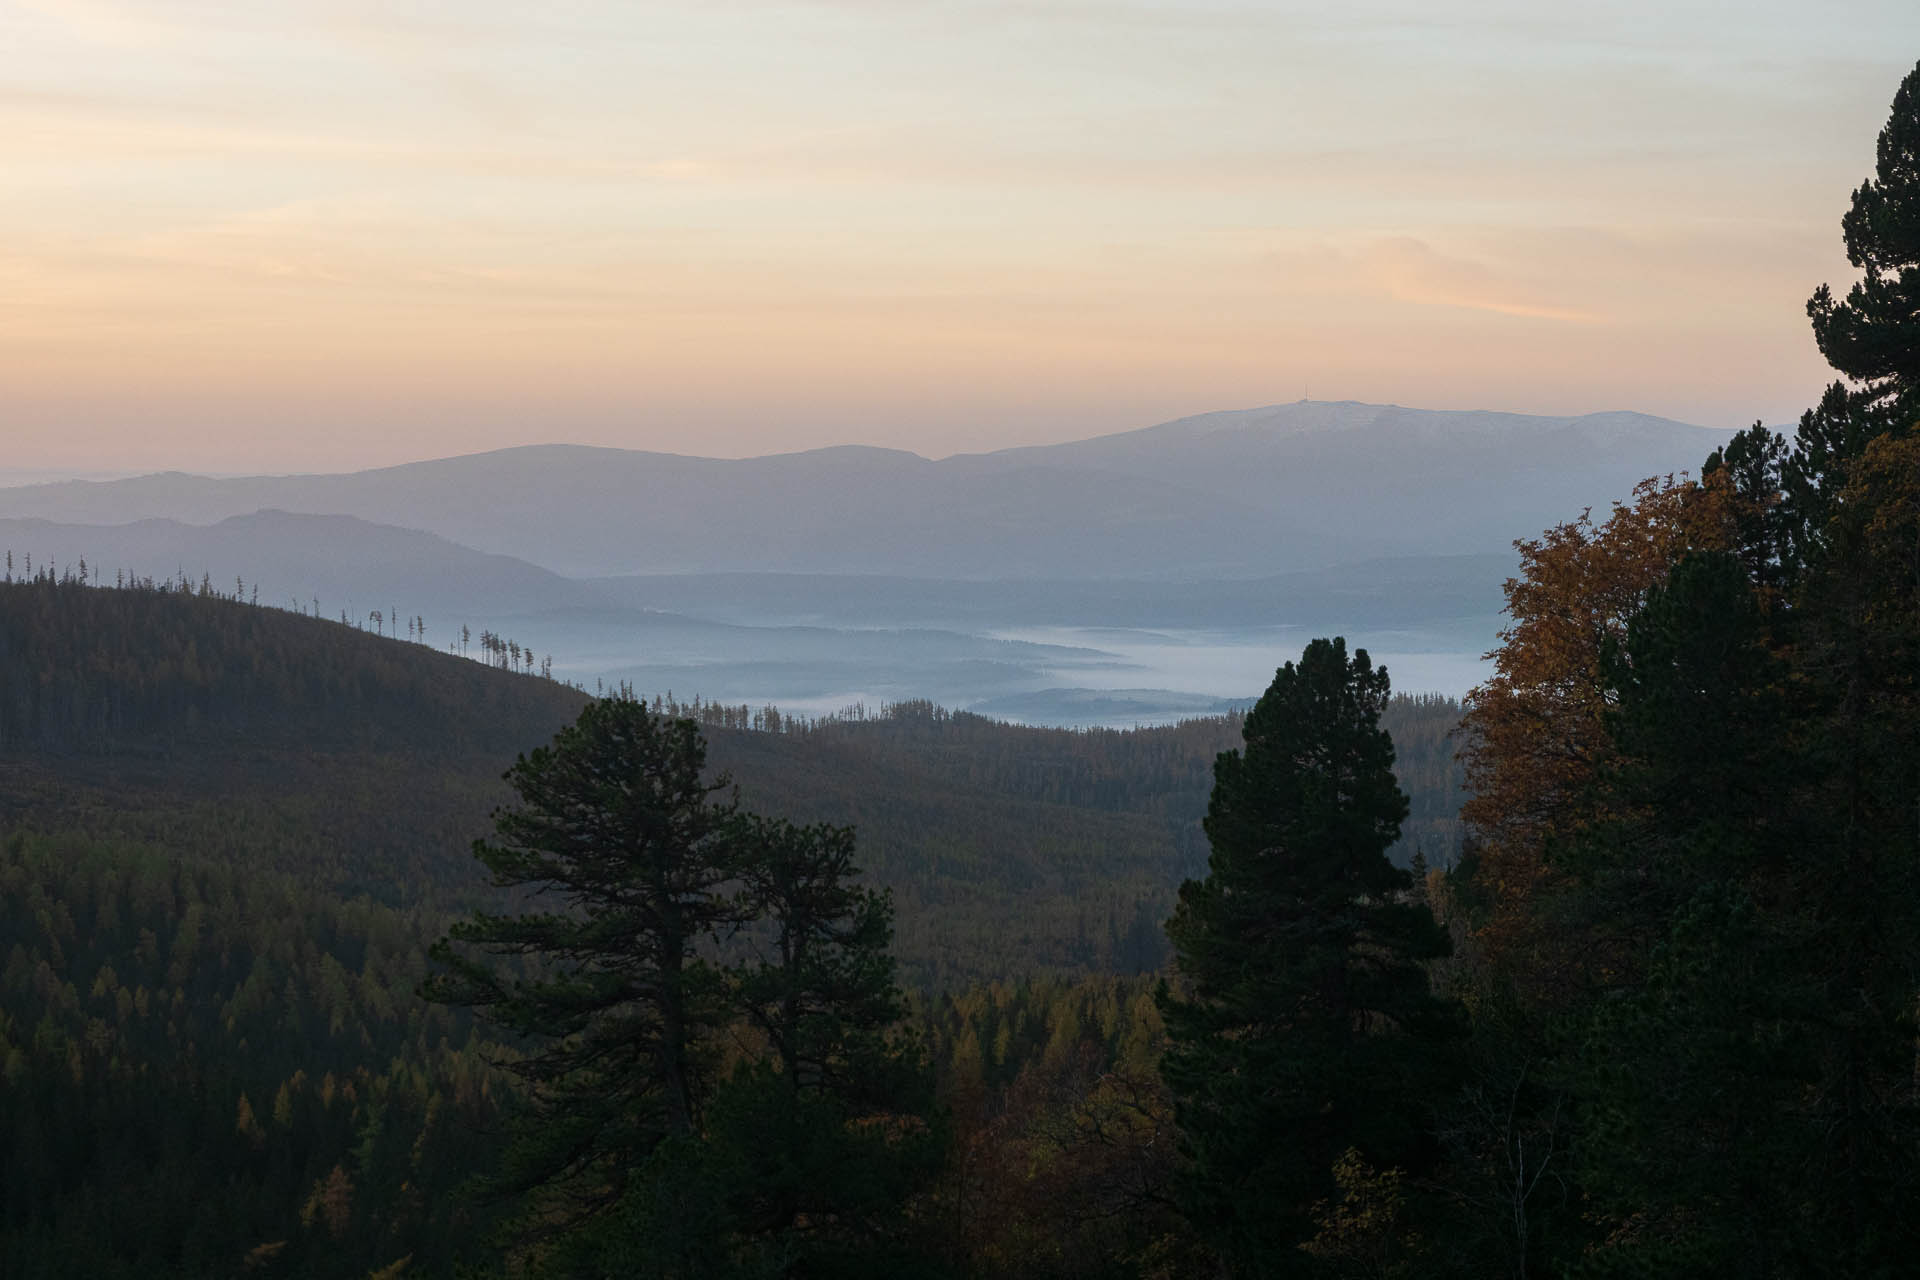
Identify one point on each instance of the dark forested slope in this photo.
(366, 765)
(87, 671)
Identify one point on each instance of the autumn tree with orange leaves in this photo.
(1536, 730)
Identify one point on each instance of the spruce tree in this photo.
(1306, 1037)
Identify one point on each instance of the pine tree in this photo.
(834, 1119)
(1308, 1029)
(621, 833)
(1873, 336)
(813, 1143)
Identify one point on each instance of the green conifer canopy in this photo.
(1307, 1028)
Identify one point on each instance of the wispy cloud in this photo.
(1411, 270)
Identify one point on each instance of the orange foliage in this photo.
(1072, 1151)
(1536, 729)
(331, 1201)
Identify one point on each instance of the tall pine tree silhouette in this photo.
(1307, 1030)
(631, 861)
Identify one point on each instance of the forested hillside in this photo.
(175, 671)
(362, 764)
(231, 833)
(207, 1067)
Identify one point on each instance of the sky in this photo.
(330, 234)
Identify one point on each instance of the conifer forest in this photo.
(327, 952)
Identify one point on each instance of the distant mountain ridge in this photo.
(331, 562)
(1307, 417)
(1242, 493)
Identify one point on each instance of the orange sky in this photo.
(328, 234)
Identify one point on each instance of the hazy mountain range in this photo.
(1222, 495)
(1057, 584)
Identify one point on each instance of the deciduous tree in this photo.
(1537, 729)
